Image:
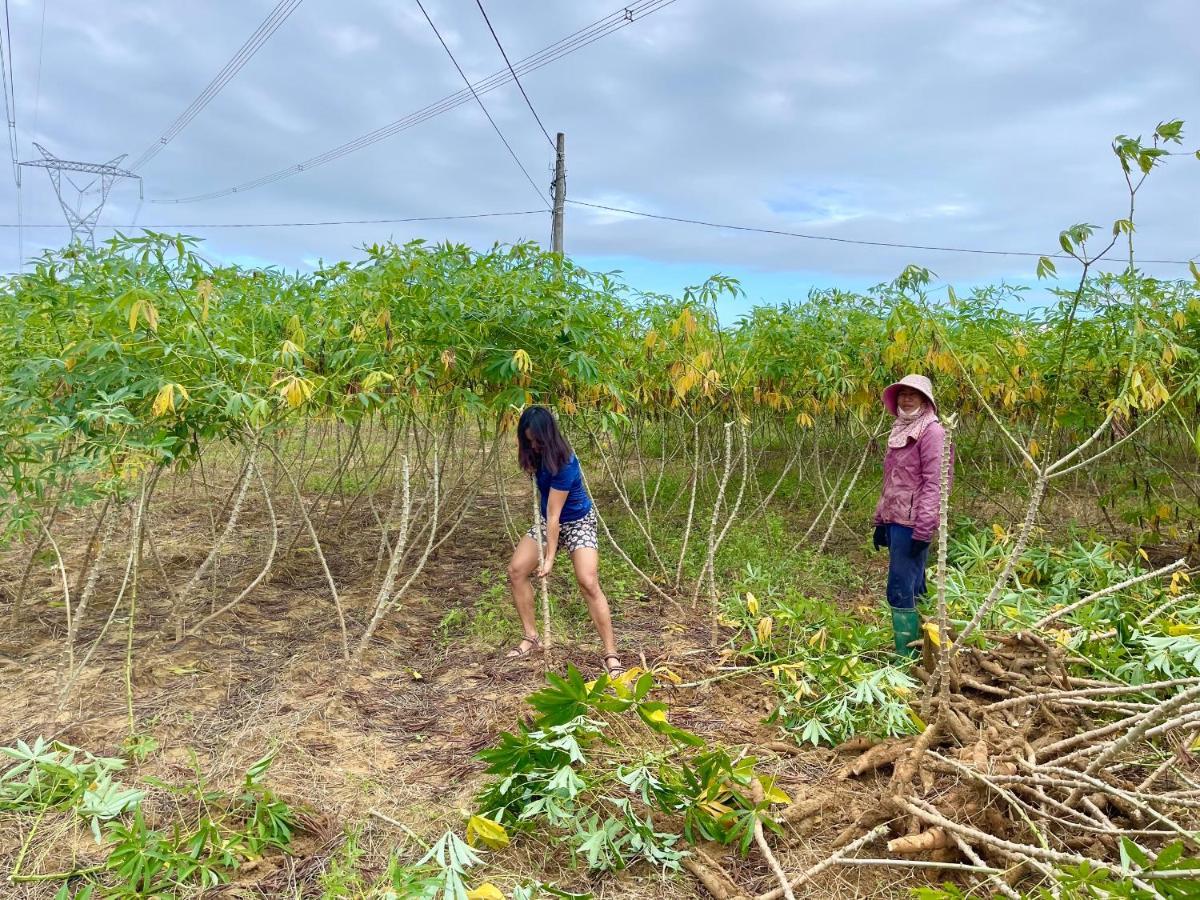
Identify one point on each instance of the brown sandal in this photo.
(520, 651)
(613, 671)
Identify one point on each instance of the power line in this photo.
(563, 47)
(492, 121)
(500, 46)
(245, 53)
(538, 212)
(10, 97)
(490, 215)
(10, 110)
(37, 91)
(840, 240)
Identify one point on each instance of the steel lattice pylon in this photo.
(82, 223)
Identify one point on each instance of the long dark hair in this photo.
(554, 452)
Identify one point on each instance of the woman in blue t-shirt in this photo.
(568, 523)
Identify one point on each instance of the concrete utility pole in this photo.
(560, 193)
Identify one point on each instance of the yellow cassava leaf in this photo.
(143, 309)
(294, 390)
(486, 891)
(935, 634)
(204, 289)
(621, 685)
(521, 362)
(657, 715)
(374, 379)
(773, 794)
(1179, 629)
(752, 603)
(164, 401)
(485, 831)
(764, 628)
(686, 382)
(294, 331)
(916, 720)
(670, 675)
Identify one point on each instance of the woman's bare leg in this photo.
(587, 563)
(520, 568)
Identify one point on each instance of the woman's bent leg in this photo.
(520, 568)
(587, 573)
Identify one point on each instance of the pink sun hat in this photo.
(918, 383)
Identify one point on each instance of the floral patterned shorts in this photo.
(573, 536)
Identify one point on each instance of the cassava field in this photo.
(255, 602)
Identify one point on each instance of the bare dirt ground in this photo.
(398, 736)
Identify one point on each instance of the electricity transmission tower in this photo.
(83, 223)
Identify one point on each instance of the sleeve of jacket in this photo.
(928, 500)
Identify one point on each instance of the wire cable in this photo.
(170, 227)
(245, 53)
(839, 240)
(37, 91)
(570, 44)
(539, 212)
(495, 127)
(500, 46)
(20, 230)
(10, 110)
(10, 97)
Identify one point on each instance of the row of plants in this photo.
(141, 352)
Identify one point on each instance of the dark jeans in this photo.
(906, 573)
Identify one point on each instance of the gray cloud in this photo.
(929, 122)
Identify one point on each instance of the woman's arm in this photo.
(927, 503)
(554, 507)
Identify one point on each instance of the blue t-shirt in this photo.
(569, 479)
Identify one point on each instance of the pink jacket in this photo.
(912, 477)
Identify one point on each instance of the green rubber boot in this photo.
(906, 629)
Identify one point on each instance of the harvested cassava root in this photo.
(1023, 770)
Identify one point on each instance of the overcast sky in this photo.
(936, 122)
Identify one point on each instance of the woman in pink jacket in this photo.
(906, 517)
